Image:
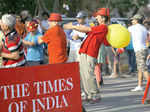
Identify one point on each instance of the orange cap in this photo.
(102, 12)
(55, 17)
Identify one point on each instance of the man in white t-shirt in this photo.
(77, 37)
(139, 36)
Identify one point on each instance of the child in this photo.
(115, 61)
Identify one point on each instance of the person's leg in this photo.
(142, 68)
(106, 65)
(115, 64)
(82, 64)
(146, 75)
(115, 68)
(140, 78)
(109, 58)
(118, 69)
(139, 63)
(129, 60)
(133, 61)
(97, 72)
(91, 81)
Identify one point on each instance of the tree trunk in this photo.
(40, 8)
(94, 4)
(56, 6)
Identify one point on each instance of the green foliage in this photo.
(15, 6)
(49, 4)
(124, 5)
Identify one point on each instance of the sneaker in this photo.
(138, 88)
(131, 73)
(83, 94)
(84, 97)
(94, 100)
(148, 101)
(113, 76)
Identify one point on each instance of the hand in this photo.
(148, 57)
(40, 41)
(115, 53)
(75, 37)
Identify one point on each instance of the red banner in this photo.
(46, 88)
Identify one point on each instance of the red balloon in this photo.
(120, 50)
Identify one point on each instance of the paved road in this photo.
(116, 97)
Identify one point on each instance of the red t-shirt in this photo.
(95, 38)
(57, 44)
(12, 43)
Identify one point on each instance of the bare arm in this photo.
(113, 50)
(27, 43)
(80, 28)
(14, 55)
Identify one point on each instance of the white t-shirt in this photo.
(45, 24)
(75, 44)
(139, 36)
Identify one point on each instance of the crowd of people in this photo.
(27, 41)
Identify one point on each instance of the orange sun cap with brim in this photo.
(102, 12)
(55, 17)
(32, 25)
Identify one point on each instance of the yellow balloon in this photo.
(118, 36)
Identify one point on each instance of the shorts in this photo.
(141, 57)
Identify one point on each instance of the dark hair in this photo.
(45, 14)
(141, 20)
(106, 18)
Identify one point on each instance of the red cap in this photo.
(102, 12)
(32, 25)
(55, 17)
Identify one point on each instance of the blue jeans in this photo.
(34, 63)
(131, 60)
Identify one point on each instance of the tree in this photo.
(36, 7)
(127, 7)
(15, 6)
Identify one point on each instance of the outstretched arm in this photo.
(14, 55)
(80, 28)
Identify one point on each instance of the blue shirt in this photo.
(75, 44)
(36, 52)
(130, 46)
